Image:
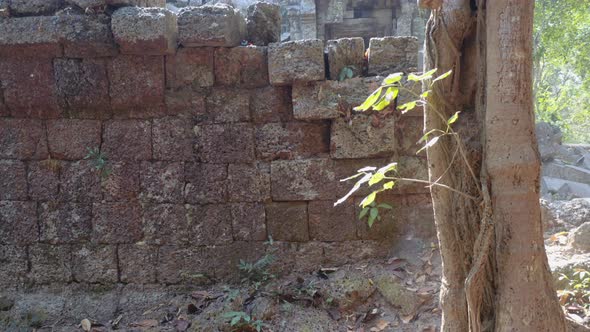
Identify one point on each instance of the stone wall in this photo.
(141, 146)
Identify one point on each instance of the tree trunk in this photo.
(495, 271)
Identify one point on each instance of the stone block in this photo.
(172, 139)
(183, 265)
(271, 104)
(287, 221)
(226, 259)
(18, 76)
(136, 81)
(210, 25)
(115, 223)
(14, 265)
(165, 224)
(205, 183)
(249, 182)
(332, 223)
(29, 36)
(263, 23)
(137, 263)
(13, 180)
(71, 139)
(412, 168)
(162, 182)
(86, 36)
(185, 103)
(242, 66)
(303, 180)
(292, 140)
(127, 140)
(225, 105)
(192, 67)
(248, 222)
(18, 222)
(392, 54)
(331, 99)
(408, 131)
(50, 264)
(122, 183)
(65, 222)
(296, 61)
(22, 139)
(137, 3)
(43, 177)
(83, 87)
(80, 182)
(210, 224)
(34, 7)
(94, 263)
(363, 137)
(345, 52)
(145, 31)
(84, 4)
(230, 143)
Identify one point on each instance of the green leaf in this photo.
(407, 106)
(363, 213)
(348, 72)
(235, 320)
(369, 199)
(453, 118)
(356, 186)
(390, 94)
(388, 185)
(443, 76)
(372, 215)
(385, 206)
(393, 78)
(352, 177)
(425, 94)
(426, 75)
(376, 178)
(425, 137)
(429, 144)
(367, 169)
(387, 168)
(370, 100)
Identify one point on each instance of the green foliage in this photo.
(577, 291)
(346, 72)
(257, 272)
(99, 160)
(562, 74)
(241, 321)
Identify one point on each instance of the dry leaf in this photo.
(406, 319)
(145, 323)
(86, 324)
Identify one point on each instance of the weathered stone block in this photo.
(330, 223)
(226, 105)
(184, 265)
(296, 61)
(84, 4)
(137, 263)
(249, 182)
(225, 260)
(94, 263)
(345, 52)
(412, 168)
(83, 87)
(162, 182)
(193, 67)
(185, 103)
(86, 36)
(122, 183)
(29, 36)
(172, 139)
(22, 139)
(136, 81)
(243, 66)
(14, 265)
(363, 137)
(145, 30)
(18, 222)
(292, 140)
(330, 99)
(127, 140)
(392, 54)
(210, 25)
(116, 223)
(303, 180)
(80, 182)
(205, 183)
(34, 7)
(18, 76)
(50, 263)
(231, 143)
(408, 131)
(287, 221)
(43, 179)
(13, 180)
(71, 139)
(165, 224)
(263, 23)
(271, 104)
(248, 222)
(210, 224)
(65, 222)
(138, 3)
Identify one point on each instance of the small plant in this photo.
(257, 272)
(99, 160)
(241, 321)
(346, 72)
(577, 292)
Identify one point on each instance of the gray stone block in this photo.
(84, 4)
(34, 7)
(150, 31)
(264, 23)
(392, 54)
(137, 3)
(345, 52)
(27, 36)
(362, 138)
(210, 25)
(85, 36)
(296, 61)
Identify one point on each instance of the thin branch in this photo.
(473, 198)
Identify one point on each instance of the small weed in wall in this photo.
(99, 161)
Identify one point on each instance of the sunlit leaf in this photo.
(429, 144)
(352, 177)
(356, 187)
(443, 76)
(376, 178)
(453, 118)
(367, 169)
(426, 75)
(425, 94)
(387, 98)
(370, 100)
(408, 106)
(388, 185)
(368, 200)
(393, 78)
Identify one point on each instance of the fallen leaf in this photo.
(86, 324)
(145, 323)
(406, 319)
(381, 325)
